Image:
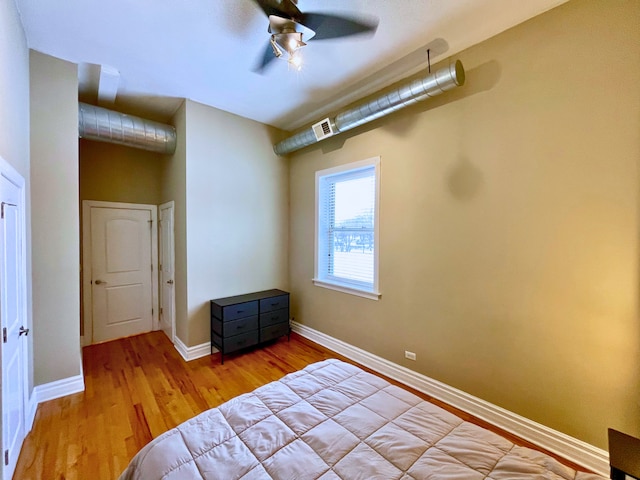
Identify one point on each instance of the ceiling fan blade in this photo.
(329, 26)
(283, 8)
(267, 57)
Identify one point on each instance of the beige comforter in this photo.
(334, 421)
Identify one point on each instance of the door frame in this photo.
(11, 174)
(171, 205)
(87, 293)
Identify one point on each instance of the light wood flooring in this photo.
(139, 387)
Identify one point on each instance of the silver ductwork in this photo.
(433, 84)
(96, 123)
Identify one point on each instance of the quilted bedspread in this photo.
(331, 421)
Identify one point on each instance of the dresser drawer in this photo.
(271, 318)
(234, 327)
(274, 303)
(274, 331)
(236, 342)
(239, 310)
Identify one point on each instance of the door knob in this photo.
(170, 282)
(23, 331)
(100, 282)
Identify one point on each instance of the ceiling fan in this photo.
(290, 28)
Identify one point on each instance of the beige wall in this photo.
(14, 123)
(55, 218)
(237, 214)
(114, 173)
(508, 225)
(14, 83)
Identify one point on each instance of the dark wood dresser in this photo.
(246, 320)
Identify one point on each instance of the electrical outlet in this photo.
(409, 355)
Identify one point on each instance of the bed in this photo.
(332, 421)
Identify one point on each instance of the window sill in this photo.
(345, 289)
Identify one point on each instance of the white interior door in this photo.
(13, 320)
(121, 271)
(167, 266)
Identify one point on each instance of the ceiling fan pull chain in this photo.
(429, 59)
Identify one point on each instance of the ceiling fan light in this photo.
(295, 61)
(290, 41)
(295, 41)
(276, 50)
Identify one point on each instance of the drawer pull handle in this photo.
(274, 304)
(239, 327)
(240, 311)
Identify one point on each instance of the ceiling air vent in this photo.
(323, 129)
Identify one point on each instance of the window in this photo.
(347, 200)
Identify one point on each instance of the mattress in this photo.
(332, 420)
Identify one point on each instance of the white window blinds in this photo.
(346, 253)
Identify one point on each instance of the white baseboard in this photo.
(572, 449)
(51, 391)
(59, 388)
(30, 414)
(191, 353)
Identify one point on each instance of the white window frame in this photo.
(334, 283)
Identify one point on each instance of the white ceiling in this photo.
(164, 50)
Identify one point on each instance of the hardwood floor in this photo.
(137, 388)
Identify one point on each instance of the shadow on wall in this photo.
(465, 180)
(479, 79)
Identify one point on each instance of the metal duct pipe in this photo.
(96, 123)
(433, 84)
